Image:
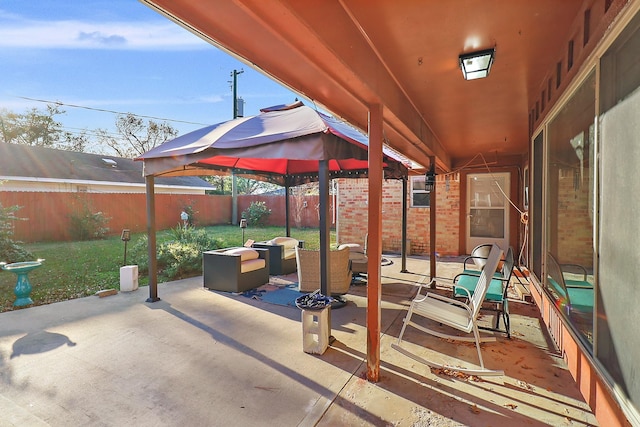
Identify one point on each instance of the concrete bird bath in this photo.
(23, 286)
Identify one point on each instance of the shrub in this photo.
(180, 257)
(192, 215)
(10, 250)
(257, 214)
(88, 225)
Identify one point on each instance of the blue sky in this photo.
(122, 56)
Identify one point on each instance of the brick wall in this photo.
(352, 216)
(304, 210)
(574, 232)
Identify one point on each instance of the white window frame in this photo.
(418, 191)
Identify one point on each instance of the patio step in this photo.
(520, 282)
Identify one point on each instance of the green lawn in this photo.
(79, 269)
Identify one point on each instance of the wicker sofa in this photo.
(309, 271)
(235, 269)
(282, 254)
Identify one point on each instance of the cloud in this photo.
(213, 99)
(74, 34)
(102, 38)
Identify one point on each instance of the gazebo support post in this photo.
(234, 198)
(286, 208)
(323, 183)
(151, 235)
(374, 247)
(325, 232)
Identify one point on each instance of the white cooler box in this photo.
(128, 278)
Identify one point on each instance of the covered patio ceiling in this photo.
(346, 55)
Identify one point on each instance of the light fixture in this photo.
(430, 178)
(243, 225)
(476, 65)
(125, 237)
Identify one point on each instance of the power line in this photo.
(59, 103)
(89, 132)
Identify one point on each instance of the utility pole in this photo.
(234, 182)
(235, 74)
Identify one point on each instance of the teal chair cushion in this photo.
(556, 287)
(581, 297)
(577, 283)
(494, 293)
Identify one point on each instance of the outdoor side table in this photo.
(315, 330)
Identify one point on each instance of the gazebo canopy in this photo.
(282, 145)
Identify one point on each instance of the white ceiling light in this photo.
(476, 65)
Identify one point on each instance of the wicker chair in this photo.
(309, 271)
(357, 258)
(235, 269)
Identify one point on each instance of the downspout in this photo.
(404, 223)
(432, 228)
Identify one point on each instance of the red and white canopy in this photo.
(282, 144)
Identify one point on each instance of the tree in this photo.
(34, 127)
(136, 136)
(75, 142)
(252, 186)
(221, 183)
(245, 185)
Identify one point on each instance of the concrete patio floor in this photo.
(203, 358)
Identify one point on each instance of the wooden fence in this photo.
(48, 215)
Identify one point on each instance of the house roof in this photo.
(17, 160)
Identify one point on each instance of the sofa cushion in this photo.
(252, 264)
(289, 253)
(246, 254)
(356, 252)
(353, 247)
(287, 242)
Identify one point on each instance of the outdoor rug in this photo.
(280, 295)
(283, 296)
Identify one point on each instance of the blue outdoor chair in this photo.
(574, 296)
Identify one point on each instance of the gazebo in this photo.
(287, 144)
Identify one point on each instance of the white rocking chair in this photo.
(455, 314)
